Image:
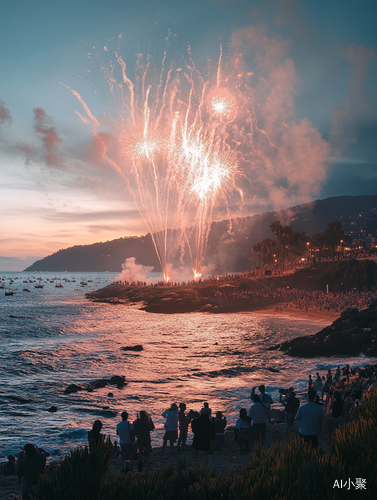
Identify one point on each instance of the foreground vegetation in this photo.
(292, 471)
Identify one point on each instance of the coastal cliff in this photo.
(354, 333)
(199, 297)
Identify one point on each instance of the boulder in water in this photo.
(136, 348)
(72, 388)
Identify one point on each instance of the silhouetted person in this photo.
(171, 426)
(143, 426)
(125, 431)
(265, 399)
(336, 405)
(311, 418)
(204, 430)
(95, 437)
(184, 422)
(30, 468)
(243, 431)
(291, 405)
(220, 424)
(259, 417)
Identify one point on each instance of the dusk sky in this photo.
(308, 72)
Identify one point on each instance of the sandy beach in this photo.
(295, 312)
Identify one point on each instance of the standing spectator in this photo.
(30, 468)
(258, 415)
(311, 418)
(184, 422)
(318, 384)
(329, 378)
(266, 399)
(171, 426)
(143, 426)
(220, 424)
(204, 430)
(95, 437)
(325, 387)
(310, 383)
(206, 407)
(347, 372)
(125, 431)
(243, 431)
(9, 467)
(336, 405)
(291, 405)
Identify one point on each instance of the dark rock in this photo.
(359, 338)
(274, 370)
(136, 348)
(354, 333)
(349, 313)
(349, 324)
(99, 384)
(72, 388)
(110, 395)
(118, 380)
(53, 409)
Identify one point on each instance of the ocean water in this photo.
(52, 337)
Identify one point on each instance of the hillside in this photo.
(229, 242)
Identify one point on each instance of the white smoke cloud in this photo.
(133, 272)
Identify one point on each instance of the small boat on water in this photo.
(39, 284)
(9, 292)
(59, 284)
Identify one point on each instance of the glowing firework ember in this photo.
(197, 275)
(173, 157)
(222, 104)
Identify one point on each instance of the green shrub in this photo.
(78, 477)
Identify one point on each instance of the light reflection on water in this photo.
(60, 338)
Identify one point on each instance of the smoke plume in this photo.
(133, 272)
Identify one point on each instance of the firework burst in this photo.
(174, 155)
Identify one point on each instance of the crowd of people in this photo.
(303, 300)
(329, 396)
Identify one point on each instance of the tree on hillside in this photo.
(289, 240)
(331, 237)
(266, 250)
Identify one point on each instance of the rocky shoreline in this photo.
(197, 297)
(354, 333)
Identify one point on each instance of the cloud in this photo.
(51, 140)
(5, 116)
(284, 159)
(344, 130)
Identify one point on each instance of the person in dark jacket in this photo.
(30, 468)
(336, 405)
(204, 430)
(95, 437)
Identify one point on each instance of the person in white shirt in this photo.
(171, 426)
(125, 431)
(243, 431)
(259, 416)
(311, 418)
